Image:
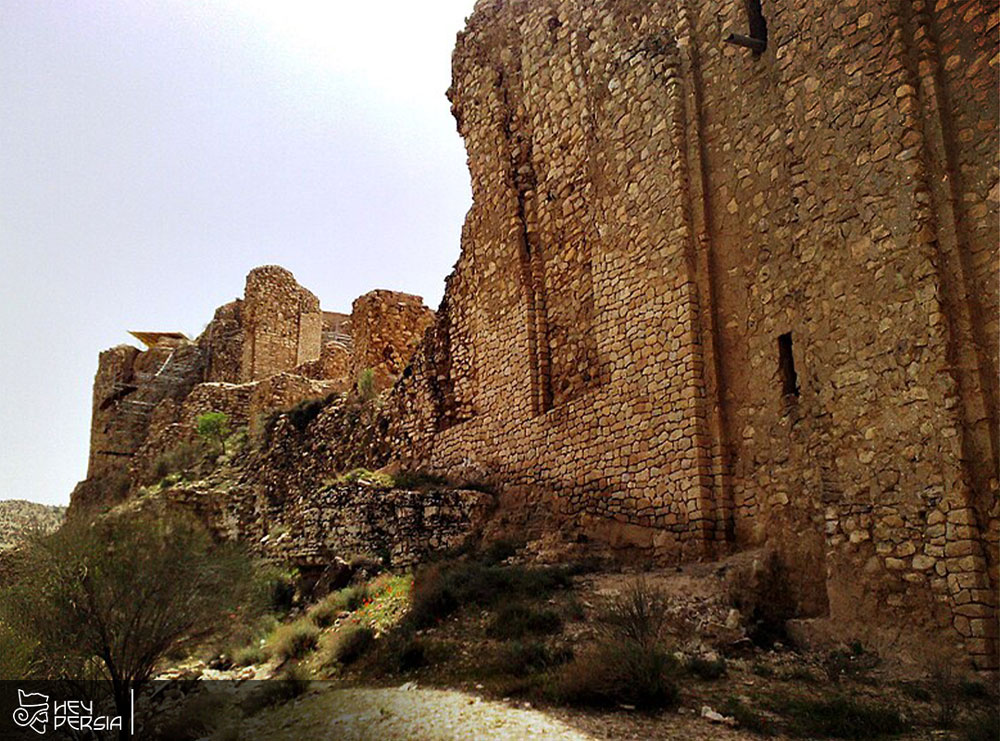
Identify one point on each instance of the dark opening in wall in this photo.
(786, 366)
(757, 39)
(758, 23)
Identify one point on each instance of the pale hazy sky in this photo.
(153, 151)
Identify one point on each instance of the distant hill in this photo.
(19, 517)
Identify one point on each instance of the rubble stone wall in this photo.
(386, 327)
(709, 298)
(282, 323)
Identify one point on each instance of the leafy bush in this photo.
(213, 428)
(15, 654)
(293, 640)
(418, 480)
(518, 620)
(983, 726)
(302, 414)
(747, 718)
(179, 460)
(347, 645)
(839, 717)
(156, 582)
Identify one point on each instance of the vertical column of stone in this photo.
(931, 164)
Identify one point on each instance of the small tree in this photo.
(213, 428)
(109, 599)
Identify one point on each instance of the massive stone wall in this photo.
(709, 298)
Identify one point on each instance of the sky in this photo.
(152, 152)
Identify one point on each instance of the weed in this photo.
(606, 675)
(324, 612)
(530, 657)
(249, 656)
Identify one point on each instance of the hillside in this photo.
(18, 517)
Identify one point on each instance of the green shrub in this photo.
(293, 640)
(213, 428)
(249, 656)
(280, 586)
(324, 612)
(347, 645)
(199, 715)
(530, 657)
(15, 654)
(704, 668)
(418, 480)
(302, 414)
(180, 460)
(607, 675)
(628, 665)
(440, 589)
(518, 620)
(839, 717)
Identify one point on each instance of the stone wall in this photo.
(386, 327)
(282, 323)
(708, 298)
(270, 350)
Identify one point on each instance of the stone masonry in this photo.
(269, 350)
(710, 298)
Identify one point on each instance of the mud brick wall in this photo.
(709, 298)
(282, 323)
(386, 327)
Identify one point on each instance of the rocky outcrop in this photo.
(18, 518)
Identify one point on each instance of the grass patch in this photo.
(440, 589)
(747, 718)
(364, 476)
(346, 645)
(325, 612)
(517, 620)
(838, 717)
(629, 664)
(524, 658)
(705, 668)
(249, 656)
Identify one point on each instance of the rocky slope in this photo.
(19, 517)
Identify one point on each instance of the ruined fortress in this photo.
(711, 296)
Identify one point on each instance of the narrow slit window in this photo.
(786, 366)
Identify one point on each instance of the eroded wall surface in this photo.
(708, 298)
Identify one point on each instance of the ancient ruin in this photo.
(709, 297)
